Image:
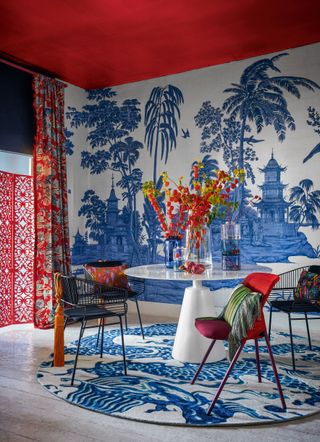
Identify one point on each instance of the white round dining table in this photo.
(198, 301)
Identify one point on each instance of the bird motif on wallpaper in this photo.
(185, 133)
(251, 140)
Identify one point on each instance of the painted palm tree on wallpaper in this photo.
(306, 204)
(127, 152)
(161, 115)
(210, 165)
(259, 98)
(151, 223)
(110, 125)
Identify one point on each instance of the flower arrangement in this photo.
(193, 206)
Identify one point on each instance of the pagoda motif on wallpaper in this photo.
(271, 235)
(273, 210)
(114, 243)
(123, 149)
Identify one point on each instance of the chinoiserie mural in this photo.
(262, 115)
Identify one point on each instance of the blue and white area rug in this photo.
(157, 388)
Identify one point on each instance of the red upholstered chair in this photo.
(219, 329)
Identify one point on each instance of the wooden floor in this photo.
(28, 412)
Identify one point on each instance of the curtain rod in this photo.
(29, 69)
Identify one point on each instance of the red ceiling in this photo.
(96, 43)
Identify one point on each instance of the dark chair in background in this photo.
(282, 299)
(85, 300)
(218, 329)
(111, 274)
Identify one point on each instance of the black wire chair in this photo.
(282, 299)
(136, 288)
(85, 300)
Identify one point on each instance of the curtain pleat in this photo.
(52, 245)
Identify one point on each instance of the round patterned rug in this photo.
(157, 388)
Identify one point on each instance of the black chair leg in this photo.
(308, 330)
(84, 326)
(102, 335)
(126, 321)
(99, 331)
(77, 354)
(123, 348)
(291, 342)
(139, 316)
(270, 319)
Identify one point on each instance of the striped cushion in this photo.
(238, 295)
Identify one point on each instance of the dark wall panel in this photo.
(16, 110)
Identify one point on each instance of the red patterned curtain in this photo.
(16, 249)
(52, 249)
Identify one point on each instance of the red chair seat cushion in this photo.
(213, 328)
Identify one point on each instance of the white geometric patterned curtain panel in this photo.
(16, 249)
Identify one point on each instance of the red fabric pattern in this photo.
(50, 189)
(16, 249)
(6, 245)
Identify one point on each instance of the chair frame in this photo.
(236, 356)
(137, 287)
(84, 300)
(282, 299)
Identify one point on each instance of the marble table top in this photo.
(214, 273)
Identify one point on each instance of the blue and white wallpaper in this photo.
(262, 114)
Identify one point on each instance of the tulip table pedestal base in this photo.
(189, 345)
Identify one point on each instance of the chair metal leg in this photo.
(126, 321)
(270, 319)
(257, 359)
(139, 316)
(224, 380)
(308, 330)
(84, 326)
(102, 335)
(123, 347)
(99, 331)
(275, 371)
(77, 354)
(291, 342)
(203, 362)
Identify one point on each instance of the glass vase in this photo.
(169, 244)
(230, 246)
(198, 250)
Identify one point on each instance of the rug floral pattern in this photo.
(157, 388)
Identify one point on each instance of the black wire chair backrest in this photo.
(284, 289)
(70, 294)
(82, 292)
